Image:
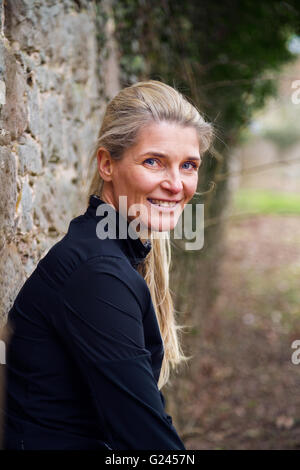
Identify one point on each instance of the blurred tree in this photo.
(225, 57)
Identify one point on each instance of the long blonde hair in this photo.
(133, 108)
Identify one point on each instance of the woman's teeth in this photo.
(157, 202)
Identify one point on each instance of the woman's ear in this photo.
(105, 164)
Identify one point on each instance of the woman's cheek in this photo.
(192, 186)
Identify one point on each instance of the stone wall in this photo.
(54, 84)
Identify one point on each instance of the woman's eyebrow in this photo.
(163, 155)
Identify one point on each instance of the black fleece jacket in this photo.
(84, 358)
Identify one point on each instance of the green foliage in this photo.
(266, 202)
(219, 53)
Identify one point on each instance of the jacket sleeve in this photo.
(103, 327)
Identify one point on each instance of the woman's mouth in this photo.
(164, 204)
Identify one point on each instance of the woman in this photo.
(94, 332)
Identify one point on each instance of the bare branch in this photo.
(256, 168)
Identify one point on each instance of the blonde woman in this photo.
(94, 331)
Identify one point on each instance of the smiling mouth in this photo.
(159, 203)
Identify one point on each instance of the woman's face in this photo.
(162, 167)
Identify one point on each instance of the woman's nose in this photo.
(173, 183)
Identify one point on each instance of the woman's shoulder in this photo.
(111, 273)
(82, 251)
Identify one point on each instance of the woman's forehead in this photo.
(164, 137)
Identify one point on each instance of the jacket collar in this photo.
(134, 249)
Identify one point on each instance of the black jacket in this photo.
(85, 354)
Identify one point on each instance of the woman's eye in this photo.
(150, 160)
(191, 163)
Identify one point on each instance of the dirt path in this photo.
(247, 393)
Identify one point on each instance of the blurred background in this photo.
(239, 297)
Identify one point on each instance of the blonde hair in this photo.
(133, 108)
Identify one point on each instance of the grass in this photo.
(262, 201)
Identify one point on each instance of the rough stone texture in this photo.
(8, 195)
(54, 85)
(14, 112)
